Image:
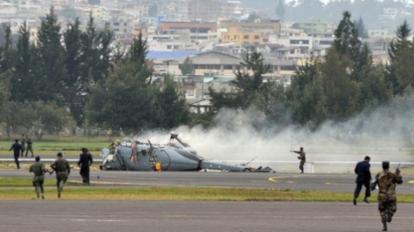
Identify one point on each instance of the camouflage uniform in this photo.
(39, 171)
(387, 200)
(302, 158)
(62, 169)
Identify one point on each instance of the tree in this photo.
(23, 83)
(306, 96)
(123, 103)
(126, 101)
(346, 37)
(74, 86)
(171, 107)
(90, 56)
(138, 50)
(341, 91)
(362, 30)
(37, 117)
(400, 71)
(51, 69)
(7, 52)
(187, 67)
(249, 86)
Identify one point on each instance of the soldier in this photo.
(62, 169)
(302, 158)
(23, 143)
(387, 200)
(85, 161)
(363, 179)
(39, 170)
(17, 149)
(29, 146)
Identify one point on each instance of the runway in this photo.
(319, 182)
(92, 216)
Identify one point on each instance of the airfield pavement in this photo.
(325, 182)
(125, 216)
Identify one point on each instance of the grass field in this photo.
(70, 146)
(20, 189)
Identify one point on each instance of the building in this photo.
(248, 32)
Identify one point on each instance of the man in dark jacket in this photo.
(17, 150)
(85, 161)
(363, 179)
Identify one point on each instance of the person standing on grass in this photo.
(85, 161)
(39, 170)
(17, 150)
(29, 146)
(62, 169)
(23, 143)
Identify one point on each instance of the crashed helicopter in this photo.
(174, 156)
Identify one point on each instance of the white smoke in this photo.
(385, 133)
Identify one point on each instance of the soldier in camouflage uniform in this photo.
(39, 170)
(62, 169)
(387, 200)
(302, 158)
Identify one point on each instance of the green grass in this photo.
(20, 189)
(70, 145)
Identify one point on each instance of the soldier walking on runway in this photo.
(62, 169)
(39, 170)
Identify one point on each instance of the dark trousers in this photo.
(16, 160)
(358, 188)
(84, 172)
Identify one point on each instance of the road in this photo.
(326, 182)
(124, 216)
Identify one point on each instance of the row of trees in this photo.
(336, 87)
(79, 76)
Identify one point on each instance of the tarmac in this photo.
(317, 182)
(126, 216)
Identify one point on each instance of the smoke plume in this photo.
(385, 133)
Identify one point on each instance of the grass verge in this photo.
(19, 189)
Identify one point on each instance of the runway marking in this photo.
(95, 220)
(273, 179)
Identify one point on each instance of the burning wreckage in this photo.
(174, 156)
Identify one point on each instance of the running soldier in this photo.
(302, 158)
(62, 169)
(39, 170)
(387, 199)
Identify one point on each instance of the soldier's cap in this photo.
(37, 158)
(386, 165)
